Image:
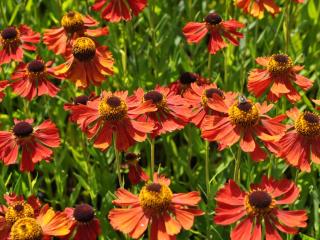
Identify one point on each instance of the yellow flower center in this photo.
(10, 37)
(279, 63)
(157, 98)
(208, 93)
(17, 211)
(155, 197)
(259, 203)
(308, 124)
(72, 22)
(84, 49)
(243, 113)
(36, 69)
(113, 108)
(26, 229)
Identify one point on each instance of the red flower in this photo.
(256, 7)
(35, 143)
(3, 85)
(31, 79)
(74, 25)
(300, 144)
(245, 122)
(117, 10)
(156, 205)
(184, 82)
(217, 28)
(113, 114)
(279, 74)
(14, 209)
(88, 63)
(14, 41)
(204, 99)
(171, 110)
(84, 224)
(262, 202)
(136, 173)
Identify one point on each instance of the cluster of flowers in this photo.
(31, 220)
(116, 117)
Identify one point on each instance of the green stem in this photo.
(152, 150)
(287, 25)
(209, 65)
(118, 161)
(236, 175)
(30, 182)
(207, 149)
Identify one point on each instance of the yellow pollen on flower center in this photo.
(17, 211)
(279, 63)
(308, 124)
(26, 229)
(155, 197)
(112, 108)
(72, 22)
(36, 69)
(84, 49)
(10, 37)
(259, 203)
(244, 114)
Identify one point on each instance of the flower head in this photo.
(185, 80)
(256, 8)
(88, 63)
(73, 25)
(84, 224)
(14, 41)
(31, 79)
(217, 28)
(113, 114)
(157, 205)
(279, 74)
(35, 143)
(117, 10)
(171, 110)
(261, 205)
(246, 122)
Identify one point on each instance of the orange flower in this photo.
(84, 224)
(256, 8)
(279, 74)
(47, 225)
(3, 85)
(203, 100)
(246, 122)
(185, 80)
(136, 173)
(34, 142)
(300, 145)
(216, 28)
(14, 41)
(172, 111)
(156, 205)
(113, 114)
(16, 208)
(117, 10)
(31, 79)
(262, 204)
(74, 25)
(88, 64)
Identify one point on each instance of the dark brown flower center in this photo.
(311, 118)
(260, 199)
(154, 96)
(131, 156)
(187, 78)
(83, 213)
(154, 187)
(22, 129)
(213, 19)
(281, 58)
(81, 100)
(36, 66)
(18, 207)
(114, 101)
(211, 91)
(246, 106)
(9, 33)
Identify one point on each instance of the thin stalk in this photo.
(207, 173)
(152, 150)
(236, 175)
(116, 152)
(30, 182)
(287, 25)
(209, 65)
